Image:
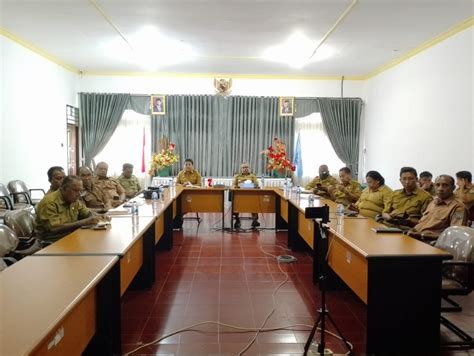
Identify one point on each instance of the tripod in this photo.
(322, 246)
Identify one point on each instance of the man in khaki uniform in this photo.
(93, 197)
(189, 176)
(108, 185)
(244, 176)
(465, 189)
(55, 177)
(406, 205)
(348, 191)
(321, 183)
(444, 211)
(128, 181)
(426, 183)
(61, 212)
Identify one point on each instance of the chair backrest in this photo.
(5, 201)
(21, 221)
(19, 191)
(458, 241)
(8, 240)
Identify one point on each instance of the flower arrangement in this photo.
(277, 158)
(165, 158)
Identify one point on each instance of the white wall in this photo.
(420, 113)
(34, 95)
(240, 86)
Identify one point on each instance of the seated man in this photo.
(244, 176)
(128, 181)
(55, 177)
(426, 183)
(109, 186)
(61, 212)
(465, 189)
(189, 176)
(321, 183)
(444, 211)
(93, 197)
(348, 191)
(405, 206)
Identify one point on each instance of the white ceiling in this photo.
(229, 35)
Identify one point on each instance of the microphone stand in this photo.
(322, 246)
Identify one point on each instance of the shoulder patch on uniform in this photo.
(459, 215)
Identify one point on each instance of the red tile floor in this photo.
(211, 275)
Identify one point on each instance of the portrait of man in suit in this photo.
(286, 106)
(158, 105)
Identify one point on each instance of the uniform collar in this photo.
(448, 201)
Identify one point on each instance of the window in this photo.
(126, 143)
(316, 149)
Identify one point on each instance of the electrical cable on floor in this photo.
(244, 329)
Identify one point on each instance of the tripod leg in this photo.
(340, 334)
(311, 336)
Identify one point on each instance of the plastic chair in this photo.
(458, 276)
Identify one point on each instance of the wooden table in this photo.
(132, 240)
(201, 200)
(397, 277)
(60, 305)
(257, 201)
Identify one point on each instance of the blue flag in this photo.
(298, 159)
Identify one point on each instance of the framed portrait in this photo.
(158, 104)
(287, 106)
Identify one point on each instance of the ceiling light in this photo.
(150, 49)
(296, 51)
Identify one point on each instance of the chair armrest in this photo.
(27, 197)
(7, 201)
(37, 190)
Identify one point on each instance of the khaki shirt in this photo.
(95, 198)
(192, 177)
(441, 214)
(353, 187)
(431, 190)
(372, 202)
(131, 185)
(407, 206)
(468, 196)
(324, 183)
(110, 187)
(240, 178)
(53, 211)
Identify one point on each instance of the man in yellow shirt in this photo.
(348, 191)
(406, 205)
(189, 176)
(426, 183)
(55, 177)
(244, 176)
(61, 211)
(128, 181)
(321, 183)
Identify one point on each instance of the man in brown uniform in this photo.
(321, 183)
(348, 191)
(245, 175)
(465, 189)
(444, 211)
(61, 211)
(92, 196)
(406, 205)
(55, 177)
(426, 183)
(128, 181)
(108, 185)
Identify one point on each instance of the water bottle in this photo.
(162, 193)
(311, 200)
(263, 182)
(340, 214)
(134, 208)
(154, 196)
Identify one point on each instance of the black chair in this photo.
(458, 277)
(21, 194)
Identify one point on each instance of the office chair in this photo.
(21, 194)
(458, 276)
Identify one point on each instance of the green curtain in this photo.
(99, 117)
(306, 106)
(220, 133)
(341, 120)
